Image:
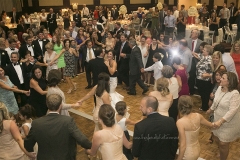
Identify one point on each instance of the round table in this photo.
(189, 28)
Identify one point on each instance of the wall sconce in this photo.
(75, 5)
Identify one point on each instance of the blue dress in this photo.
(7, 97)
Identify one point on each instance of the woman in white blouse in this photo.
(204, 74)
(54, 78)
(43, 19)
(27, 21)
(48, 57)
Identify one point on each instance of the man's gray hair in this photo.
(132, 42)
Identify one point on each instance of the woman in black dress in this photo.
(38, 91)
(66, 20)
(181, 26)
(213, 25)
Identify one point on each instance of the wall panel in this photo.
(218, 2)
(140, 1)
(50, 2)
(80, 2)
(111, 2)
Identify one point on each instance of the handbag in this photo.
(211, 116)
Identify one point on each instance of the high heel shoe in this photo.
(69, 91)
(74, 86)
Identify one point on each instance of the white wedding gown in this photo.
(115, 96)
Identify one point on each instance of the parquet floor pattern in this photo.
(208, 151)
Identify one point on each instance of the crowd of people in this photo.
(34, 62)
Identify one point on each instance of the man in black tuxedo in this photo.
(118, 29)
(17, 75)
(56, 135)
(114, 12)
(88, 53)
(135, 68)
(39, 46)
(77, 18)
(98, 28)
(27, 47)
(155, 137)
(97, 65)
(4, 58)
(232, 11)
(15, 16)
(123, 58)
(52, 23)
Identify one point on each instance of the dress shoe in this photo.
(88, 87)
(131, 93)
(145, 91)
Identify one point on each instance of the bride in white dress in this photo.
(112, 69)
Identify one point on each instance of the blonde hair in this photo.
(219, 55)
(49, 45)
(147, 34)
(3, 115)
(185, 105)
(209, 49)
(233, 47)
(162, 86)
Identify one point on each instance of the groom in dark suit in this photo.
(155, 137)
(135, 68)
(55, 134)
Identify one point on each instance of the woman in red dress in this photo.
(96, 13)
(235, 53)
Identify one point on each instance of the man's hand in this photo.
(142, 70)
(123, 55)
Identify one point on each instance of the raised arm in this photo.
(112, 69)
(57, 56)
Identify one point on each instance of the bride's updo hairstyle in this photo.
(185, 104)
(103, 84)
(162, 86)
(107, 115)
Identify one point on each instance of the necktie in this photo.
(232, 12)
(40, 40)
(90, 54)
(12, 49)
(193, 45)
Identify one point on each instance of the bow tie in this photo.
(40, 40)
(12, 49)
(15, 64)
(29, 46)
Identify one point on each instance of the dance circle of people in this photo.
(34, 116)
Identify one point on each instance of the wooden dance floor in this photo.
(83, 117)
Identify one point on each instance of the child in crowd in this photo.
(26, 114)
(121, 109)
(156, 67)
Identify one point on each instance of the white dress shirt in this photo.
(88, 57)
(157, 69)
(176, 14)
(41, 43)
(74, 34)
(85, 11)
(18, 69)
(229, 63)
(9, 51)
(30, 48)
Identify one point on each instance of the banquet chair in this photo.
(137, 28)
(208, 36)
(234, 28)
(230, 35)
(220, 35)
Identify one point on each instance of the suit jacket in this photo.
(12, 74)
(116, 31)
(38, 51)
(161, 17)
(23, 49)
(77, 18)
(115, 14)
(197, 48)
(83, 50)
(52, 20)
(135, 61)
(100, 30)
(56, 136)
(97, 66)
(155, 138)
(234, 11)
(124, 62)
(4, 58)
(17, 16)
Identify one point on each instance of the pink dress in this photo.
(183, 75)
